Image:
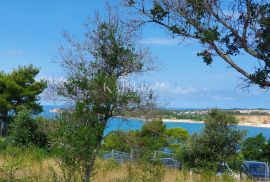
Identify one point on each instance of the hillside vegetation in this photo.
(33, 164)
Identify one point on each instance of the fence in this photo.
(163, 157)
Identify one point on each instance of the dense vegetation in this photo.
(34, 152)
(70, 147)
(19, 89)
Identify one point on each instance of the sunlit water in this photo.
(135, 124)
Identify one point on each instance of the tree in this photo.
(95, 68)
(26, 130)
(121, 141)
(19, 88)
(256, 148)
(175, 138)
(152, 135)
(266, 151)
(75, 140)
(218, 142)
(223, 28)
(176, 135)
(252, 147)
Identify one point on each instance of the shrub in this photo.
(120, 140)
(256, 148)
(152, 135)
(26, 130)
(218, 142)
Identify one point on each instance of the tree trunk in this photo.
(4, 128)
(90, 167)
(4, 125)
(1, 129)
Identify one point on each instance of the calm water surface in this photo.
(135, 124)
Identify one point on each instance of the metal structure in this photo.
(162, 157)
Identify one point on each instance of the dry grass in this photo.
(122, 173)
(31, 166)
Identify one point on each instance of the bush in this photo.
(256, 148)
(3, 144)
(26, 130)
(218, 142)
(121, 141)
(75, 142)
(152, 135)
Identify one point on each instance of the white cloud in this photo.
(160, 41)
(15, 52)
(161, 86)
(223, 98)
(183, 90)
(165, 87)
(163, 41)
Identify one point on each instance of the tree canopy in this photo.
(256, 148)
(223, 28)
(218, 142)
(19, 89)
(94, 70)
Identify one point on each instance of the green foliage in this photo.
(144, 172)
(221, 33)
(176, 135)
(236, 161)
(121, 141)
(19, 88)
(75, 139)
(218, 141)
(3, 143)
(209, 35)
(256, 148)
(168, 114)
(252, 147)
(152, 135)
(207, 57)
(176, 138)
(158, 12)
(26, 130)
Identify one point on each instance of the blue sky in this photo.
(31, 32)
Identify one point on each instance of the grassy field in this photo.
(32, 164)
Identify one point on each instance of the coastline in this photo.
(258, 125)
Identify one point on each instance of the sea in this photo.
(136, 124)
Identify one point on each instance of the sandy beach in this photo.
(253, 121)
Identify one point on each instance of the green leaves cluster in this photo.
(94, 70)
(26, 130)
(158, 12)
(256, 148)
(245, 30)
(20, 89)
(207, 57)
(75, 140)
(152, 136)
(218, 142)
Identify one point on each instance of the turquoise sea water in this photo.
(135, 124)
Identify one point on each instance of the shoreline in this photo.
(258, 125)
